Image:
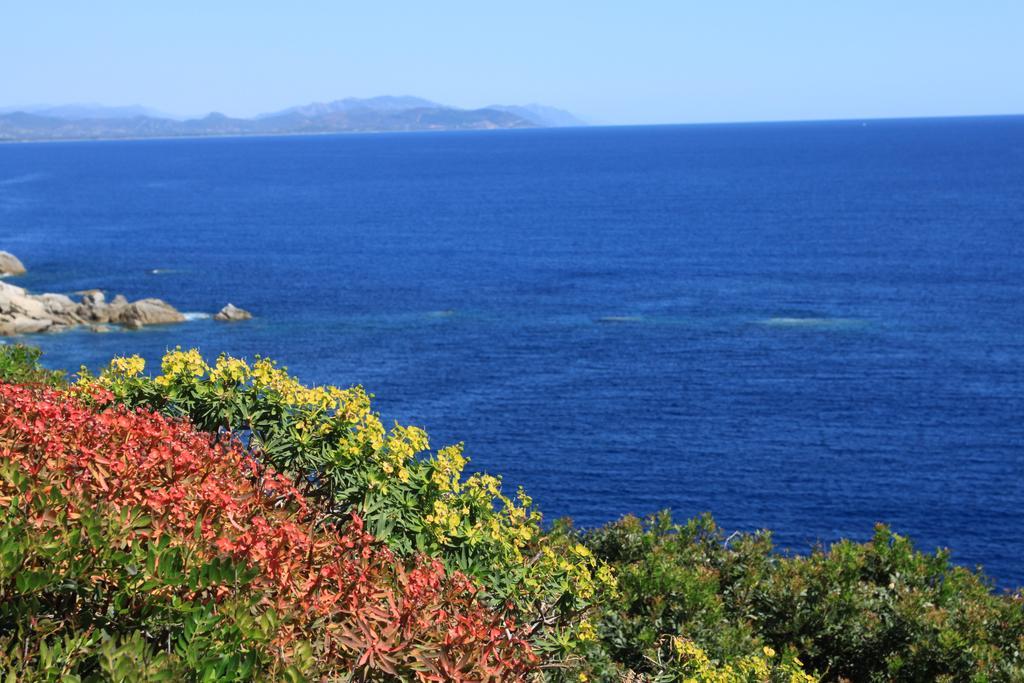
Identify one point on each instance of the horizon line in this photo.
(864, 120)
(161, 114)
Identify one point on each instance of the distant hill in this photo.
(375, 114)
(86, 111)
(382, 103)
(548, 117)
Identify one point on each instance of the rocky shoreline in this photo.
(22, 312)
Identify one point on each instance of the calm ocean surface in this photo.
(802, 327)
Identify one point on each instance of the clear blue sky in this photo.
(658, 61)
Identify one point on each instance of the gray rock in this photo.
(21, 324)
(93, 297)
(25, 313)
(22, 313)
(92, 314)
(93, 307)
(10, 265)
(232, 313)
(8, 294)
(58, 304)
(30, 306)
(148, 312)
(11, 290)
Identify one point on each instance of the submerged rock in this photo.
(232, 313)
(10, 264)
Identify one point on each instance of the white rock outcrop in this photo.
(22, 312)
(10, 265)
(232, 313)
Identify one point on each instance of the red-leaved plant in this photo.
(341, 603)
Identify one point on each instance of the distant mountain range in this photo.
(75, 112)
(375, 114)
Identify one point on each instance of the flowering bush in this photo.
(335, 448)
(133, 542)
(133, 547)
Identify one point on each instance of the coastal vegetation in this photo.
(216, 519)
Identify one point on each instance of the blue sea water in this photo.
(805, 327)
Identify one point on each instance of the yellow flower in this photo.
(768, 652)
(130, 366)
(183, 364)
(448, 466)
(586, 631)
(230, 370)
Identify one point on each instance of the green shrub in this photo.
(19, 364)
(875, 611)
(666, 586)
